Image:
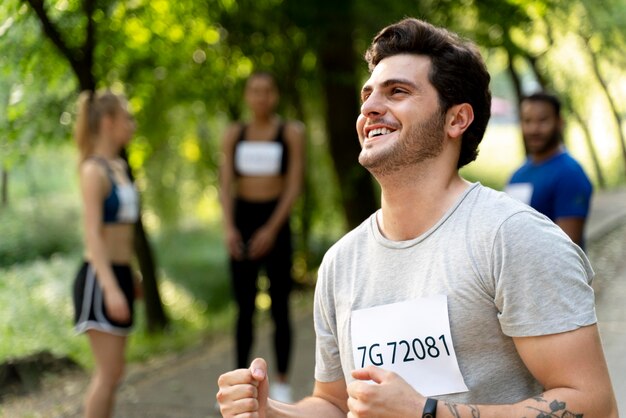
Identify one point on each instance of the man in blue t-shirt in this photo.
(550, 180)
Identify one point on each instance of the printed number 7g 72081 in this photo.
(405, 351)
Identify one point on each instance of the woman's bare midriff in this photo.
(118, 241)
(260, 189)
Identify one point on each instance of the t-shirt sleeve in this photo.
(327, 357)
(572, 195)
(542, 279)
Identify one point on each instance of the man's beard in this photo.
(553, 141)
(422, 142)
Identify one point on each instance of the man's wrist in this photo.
(430, 408)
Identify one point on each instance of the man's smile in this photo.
(377, 132)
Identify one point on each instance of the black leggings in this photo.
(250, 216)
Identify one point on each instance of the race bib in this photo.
(520, 191)
(412, 339)
(254, 158)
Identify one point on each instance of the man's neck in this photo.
(540, 157)
(412, 205)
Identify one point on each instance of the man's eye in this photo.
(398, 91)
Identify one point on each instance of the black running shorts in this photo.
(89, 309)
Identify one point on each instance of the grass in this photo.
(35, 309)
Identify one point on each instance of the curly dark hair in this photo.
(457, 71)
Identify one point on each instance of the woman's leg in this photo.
(278, 267)
(244, 277)
(108, 350)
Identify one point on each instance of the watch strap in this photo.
(430, 408)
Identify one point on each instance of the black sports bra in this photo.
(260, 158)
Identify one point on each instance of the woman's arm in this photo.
(94, 186)
(234, 243)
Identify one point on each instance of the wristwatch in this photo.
(430, 408)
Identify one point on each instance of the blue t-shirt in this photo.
(557, 187)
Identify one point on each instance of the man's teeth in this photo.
(379, 131)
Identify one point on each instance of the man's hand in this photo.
(244, 391)
(389, 396)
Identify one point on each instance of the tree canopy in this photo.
(182, 65)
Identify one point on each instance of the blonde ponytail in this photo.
(92, 106)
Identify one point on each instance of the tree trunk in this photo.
(81, 62)
(4, 192)
(156, 318)
(515, 78)
(517, 85)
(337, 59)
(592, 151)
(605, 88)
(306, 206)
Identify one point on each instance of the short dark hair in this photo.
(544, 96)
(457, 71)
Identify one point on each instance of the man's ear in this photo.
(458, 119)
(561, 124)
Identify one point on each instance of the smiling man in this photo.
(550, 180)
(452, 300)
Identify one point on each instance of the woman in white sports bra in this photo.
(260, 178)
(104, 288)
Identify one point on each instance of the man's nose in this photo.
(373, 106)
(531, 127)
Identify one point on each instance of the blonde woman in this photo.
(104, 289)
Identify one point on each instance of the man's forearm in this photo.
(553, 403)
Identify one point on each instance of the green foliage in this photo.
(42, 318)
(35, 87)
(43, 202)
(37, 232)
(195, 258)
(182, 65)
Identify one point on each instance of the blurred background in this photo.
(182, 65)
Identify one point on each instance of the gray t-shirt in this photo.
(507, 271)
